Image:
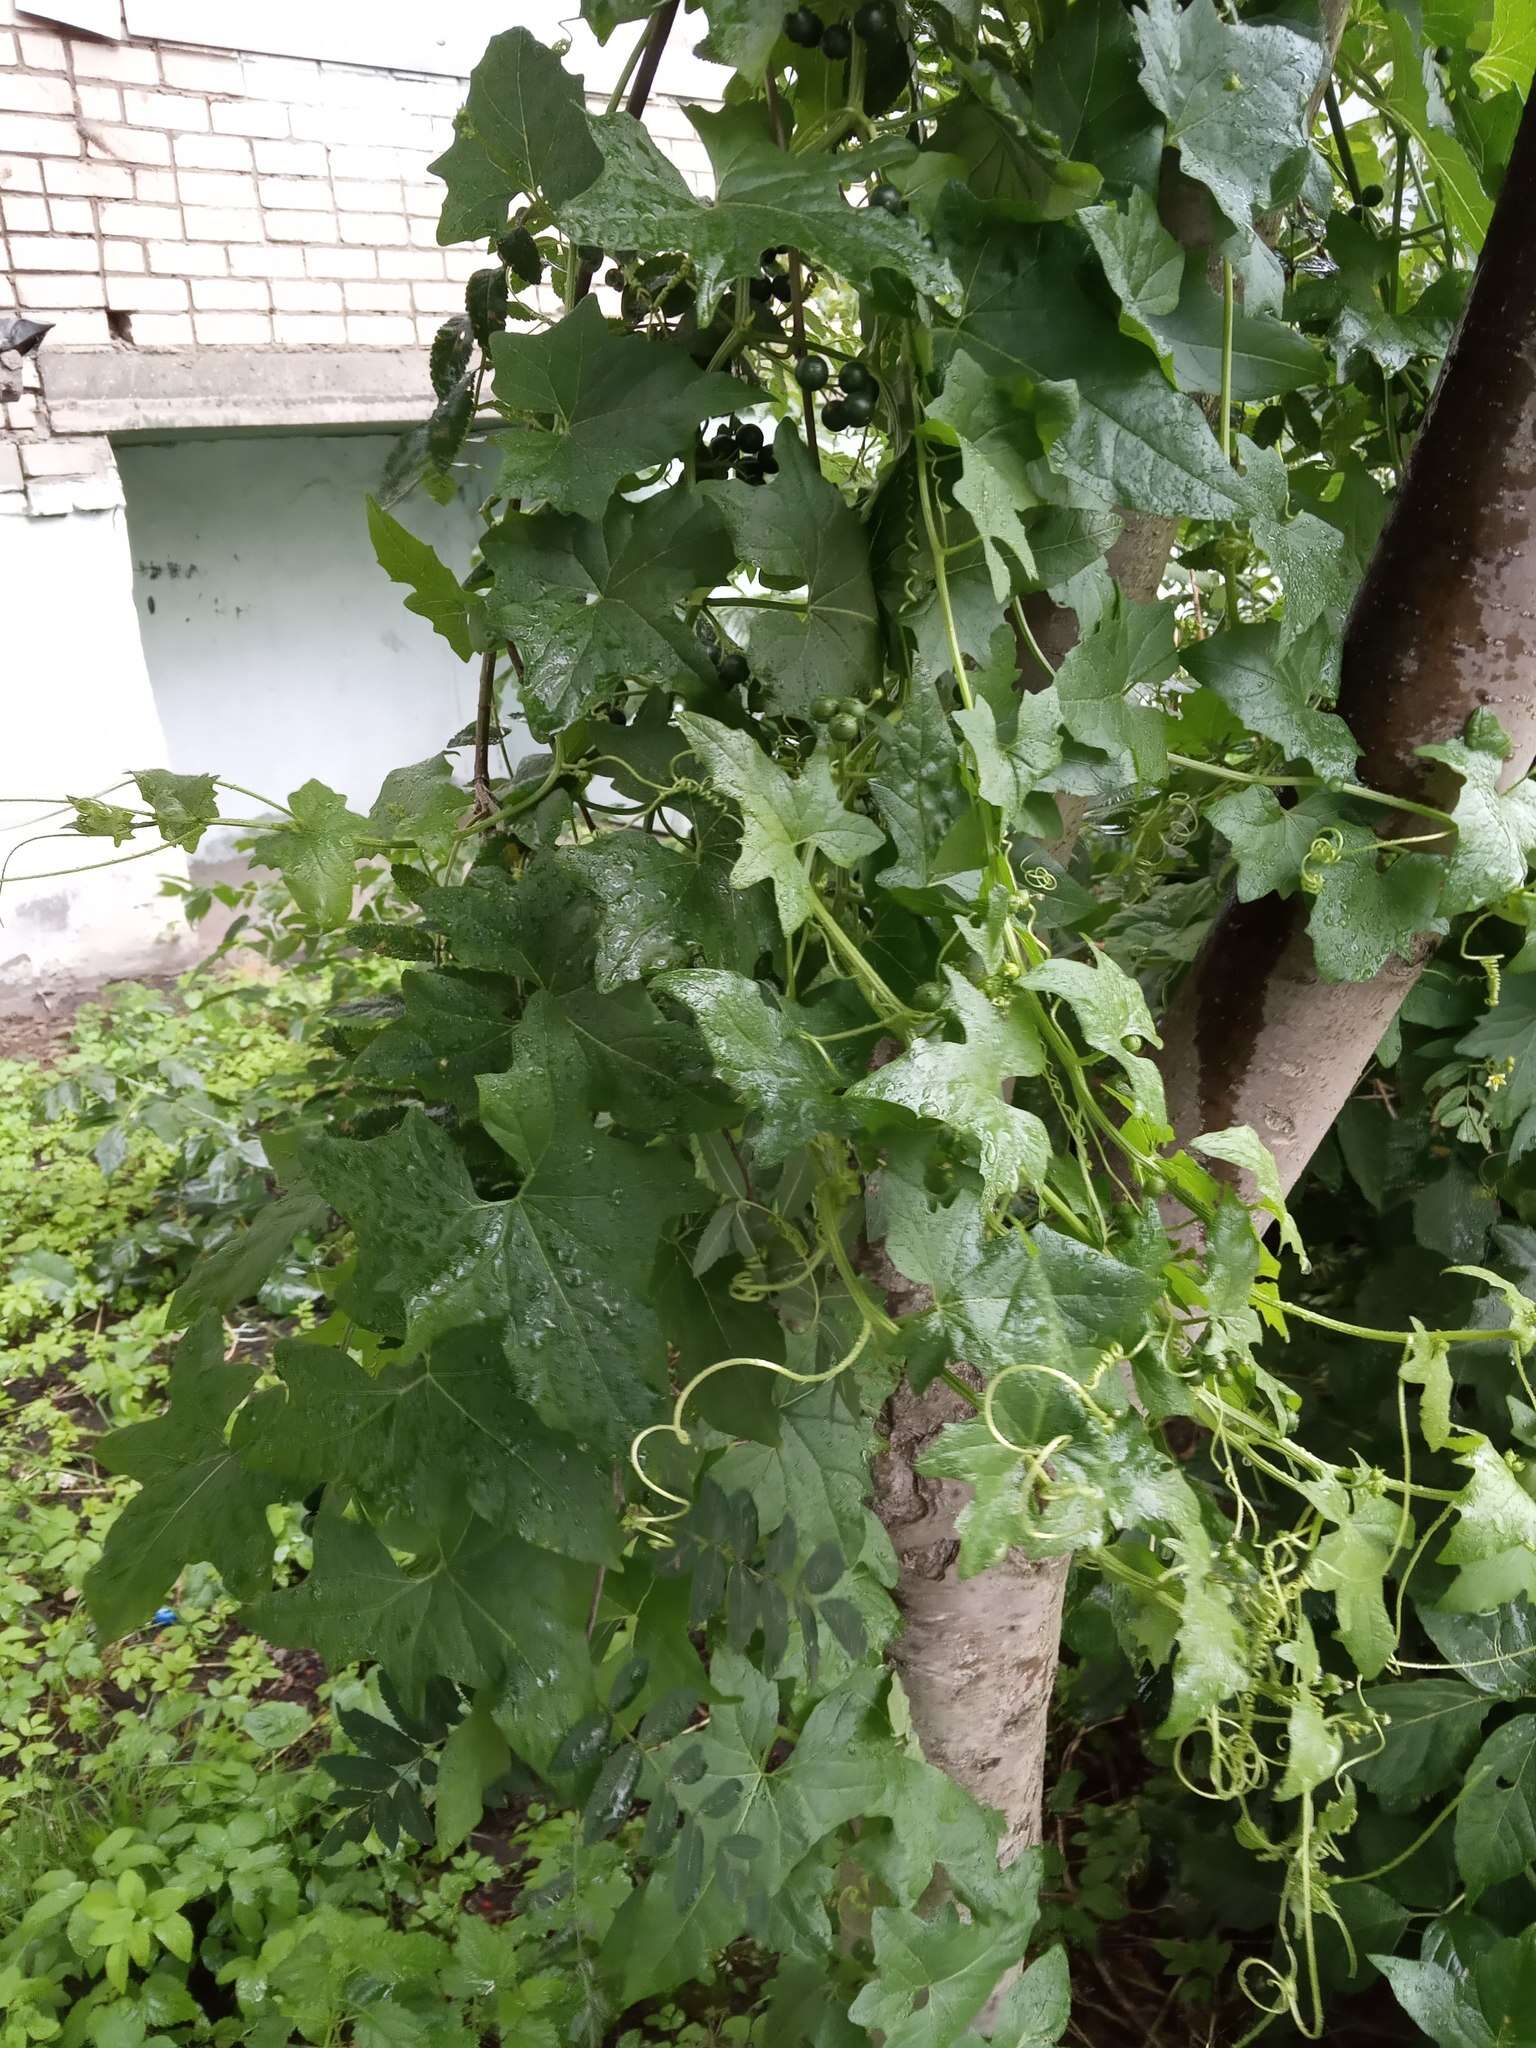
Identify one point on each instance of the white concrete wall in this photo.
(277, 646)
(76, 713)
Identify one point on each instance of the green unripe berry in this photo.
(823, 708)
(843, 727)
(928, 995)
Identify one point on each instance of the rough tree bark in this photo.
(977, 1656)
(1444, 625)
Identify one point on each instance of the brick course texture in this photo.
(154, 196)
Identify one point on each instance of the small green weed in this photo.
(172, 1872)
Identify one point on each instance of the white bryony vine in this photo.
(923, 563)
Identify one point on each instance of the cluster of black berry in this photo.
(730, 666)
(859, 392)
(740, 446)
(835, 38)
(774, 282)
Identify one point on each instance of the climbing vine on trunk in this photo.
(771, 1085)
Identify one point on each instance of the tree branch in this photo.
(485, 802)
(1444, 625)
(639, 93)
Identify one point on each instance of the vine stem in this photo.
(796, 280)
(1397, 1337)
(1358, 790)
(1413, 1848)
(874, 1316)
(941, 580)
(1341, 139)
(1228, 316)
(255, 796)
(621, 86)
(1026, 634)
(86, 867)
(863, 971)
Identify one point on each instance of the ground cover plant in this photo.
(993, 603)
(167, 1800)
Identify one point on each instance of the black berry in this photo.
(836, 41)
(858, 407)
(759, 290)
(834, 417)
(855, 377)
(1371, 195)
(872, 20)
(781, 288)
(749, 438)
(734, 671)
(613, 277)
(803, 27)
(888, 199)
(812, 373)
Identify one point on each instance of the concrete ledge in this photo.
(174, 390)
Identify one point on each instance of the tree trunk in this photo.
(1444, 625)
(977, 1656)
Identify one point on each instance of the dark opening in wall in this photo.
(120, 325)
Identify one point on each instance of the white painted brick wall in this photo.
(159, 197)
